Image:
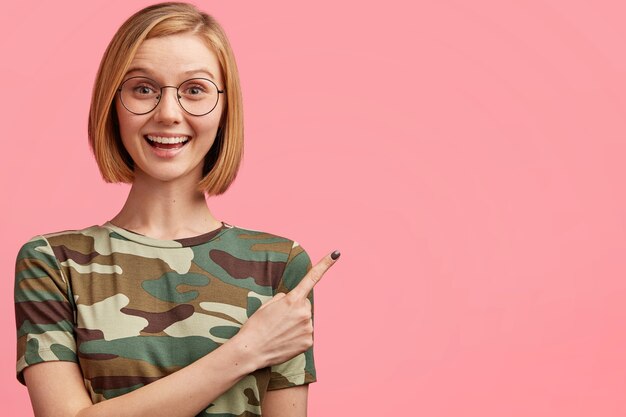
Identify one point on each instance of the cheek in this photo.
(122, 120)
(128, 125)
(208, 125)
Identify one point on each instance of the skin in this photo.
(163, 203)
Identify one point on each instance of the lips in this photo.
(167, 142)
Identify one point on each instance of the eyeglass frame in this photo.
(178, 97)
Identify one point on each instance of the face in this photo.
(168, 144)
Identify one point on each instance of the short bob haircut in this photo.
(223, 159)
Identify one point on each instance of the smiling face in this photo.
(169, 144)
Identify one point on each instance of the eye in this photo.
(140, 88)
(194, 90)
(144, 90)
(197, 89)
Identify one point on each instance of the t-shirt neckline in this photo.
(164, 243)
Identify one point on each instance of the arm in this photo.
(282, 400)
(288, 402)
(183, 393)
(274, 334)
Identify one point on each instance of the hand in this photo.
(282, 328)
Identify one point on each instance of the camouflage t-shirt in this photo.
(131, 309)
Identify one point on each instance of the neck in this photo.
(166, 210)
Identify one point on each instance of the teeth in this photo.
(159, 139)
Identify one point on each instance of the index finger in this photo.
(314, 275)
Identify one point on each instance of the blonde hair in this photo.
(223, 159)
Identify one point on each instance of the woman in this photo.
(158, 311)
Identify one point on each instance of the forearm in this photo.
(184, 393)
(287, 402)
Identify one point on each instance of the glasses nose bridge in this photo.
(168, 86)
(160, 98)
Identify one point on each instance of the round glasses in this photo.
(197, 96)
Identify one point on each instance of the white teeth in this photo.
(159, 139)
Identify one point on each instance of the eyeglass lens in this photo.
(141, 95)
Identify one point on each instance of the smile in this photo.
(169, 142)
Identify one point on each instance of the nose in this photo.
(168, 111)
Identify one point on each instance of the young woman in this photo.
(164, 310)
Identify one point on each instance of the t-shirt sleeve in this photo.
(299, 370)
(43, 310)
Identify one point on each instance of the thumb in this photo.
(272, 300)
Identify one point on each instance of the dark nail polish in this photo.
(335, 255)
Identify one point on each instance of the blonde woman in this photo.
(165, 310)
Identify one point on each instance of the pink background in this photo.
(466, 157)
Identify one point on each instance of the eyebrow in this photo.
(204, 70)
(188, 72)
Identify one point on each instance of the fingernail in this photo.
(335, 255)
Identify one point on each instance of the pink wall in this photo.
(466, 157)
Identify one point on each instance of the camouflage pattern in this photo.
(131, 309)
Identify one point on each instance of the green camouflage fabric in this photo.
(131, 309)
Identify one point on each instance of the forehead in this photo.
(174, 58)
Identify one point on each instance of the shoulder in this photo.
(90, 232)
(80, 240)
(293, 259)
(40, 261)
(246, 233)
(261, 241)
